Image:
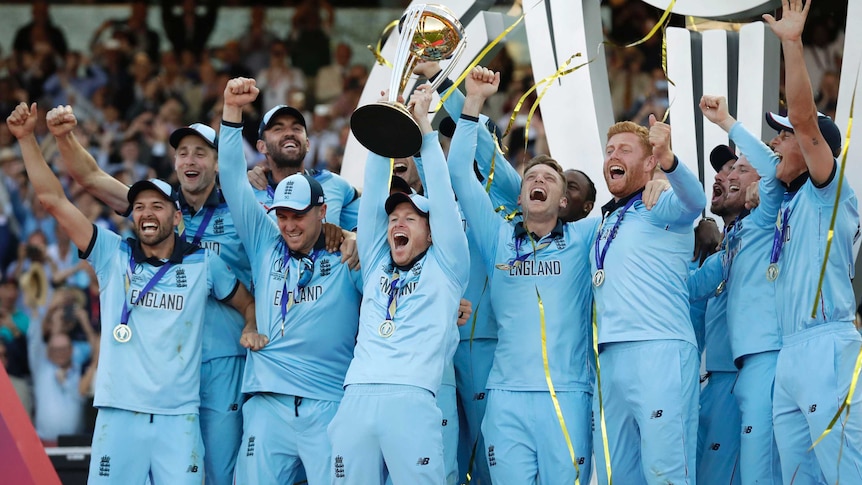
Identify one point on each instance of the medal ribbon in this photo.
(728, 233)
(600, 257)
(124, 317)
(288, 299)
(603, 426)
(395, 287)
(780, 233)
(204, 223)
(520, 258)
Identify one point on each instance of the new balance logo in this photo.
(581, 460)
(747, 430)
(250, 450)
(445, 422)
(479, 396)
(492, 460)
(233, 407)
(715, 446)
(423, 461)
(339, 467)
(192, 469)
(812, 408)
(105, 466)
(656, 414)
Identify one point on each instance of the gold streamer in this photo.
(835, 209)
(604, 431)
(551, 387)
(477, 60)
(856, 369)
(375, 50)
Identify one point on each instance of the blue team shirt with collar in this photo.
(158, 370)
(804, 249)
(311, 358)
(645, 291)
(719, 357)
(429, 291)
(224, 323)
(751, 307)
(559, 272)
(342, 200)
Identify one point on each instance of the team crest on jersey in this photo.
(560, 243)
(416, 269)
(278, 269)
(218, 225)
(325, 267)
(182, 282)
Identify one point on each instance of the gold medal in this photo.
(598, 278)
(772, 272)
(122, 333)
(386, 329)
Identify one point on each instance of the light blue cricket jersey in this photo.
(559, 272)
(810, 212)
(645, 292)
(158, 370)
(751, 306)
(342, 200)
(224, 323)
(719, 357)
(311, 358)
(428, 292)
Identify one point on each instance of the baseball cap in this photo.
(418, 202)
(159, 186)
(398, 184)
(828, 129)
(720, 155)
(275, 112)
(299, 193)
(198, 129)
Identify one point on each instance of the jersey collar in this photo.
(521, 231)
(181, 249)
(213, 200)
(616, 204)
(796, 183)
(318, 245)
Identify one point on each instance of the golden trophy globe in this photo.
(429, 32)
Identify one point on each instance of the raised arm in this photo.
(801, 110)
(445, 219)
(506, 183)
(50, 193)
(81, 165)
(761, 157)
(372, 221)
(251, 221)
(687, 199)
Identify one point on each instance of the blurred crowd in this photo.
(129, 94)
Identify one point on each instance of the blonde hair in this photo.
(631, 127)
(548, 161)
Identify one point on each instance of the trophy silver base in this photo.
(386, 129)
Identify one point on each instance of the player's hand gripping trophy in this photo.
(428, 33)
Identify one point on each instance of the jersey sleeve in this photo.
(477, 208)
(103, 248)
(703, 281)
(372, 222)
(221, 281)
(685, 202)
(444, 218)
(506, 183)
(254, 227)
(764, 160)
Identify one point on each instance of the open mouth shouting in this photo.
(538, 193)
(400, 239)
(149, 228)
(717, 192)
(616, 172)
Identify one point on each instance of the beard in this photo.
(282, 160)
(160, 236)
